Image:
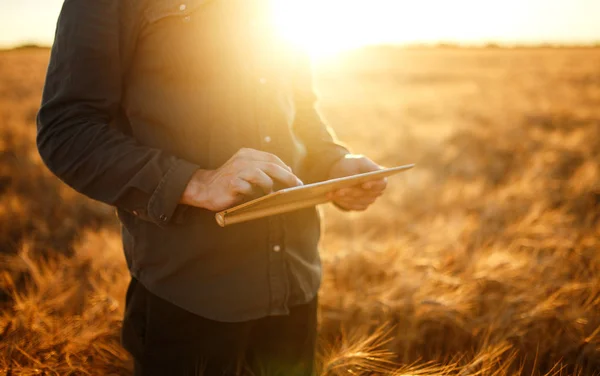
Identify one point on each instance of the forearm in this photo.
(108, 166)
(82, 100)
(323, 148)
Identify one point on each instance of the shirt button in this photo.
(182, 7)
(187, 18)
(163, 217)
(262, 80)
(267, 139)
(276, 248)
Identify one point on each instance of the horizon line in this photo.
(431, 44)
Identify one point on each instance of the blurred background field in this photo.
(484, 260)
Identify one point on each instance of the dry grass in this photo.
(482, 261)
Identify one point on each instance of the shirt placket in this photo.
(278, 279)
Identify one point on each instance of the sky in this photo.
(340, 24)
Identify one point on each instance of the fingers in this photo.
(358, 198)
(259, 178)
(367, 165)
(354, 206)
(356, 193)
(283, 175)
(364, 201)
(354, 203)
(262, 176)
(375, 186)
(261, 156)
(242, 187)
(268, 163)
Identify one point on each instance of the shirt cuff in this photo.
(165, 199)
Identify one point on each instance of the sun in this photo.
(323, 28)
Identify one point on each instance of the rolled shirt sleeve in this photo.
(81, 101)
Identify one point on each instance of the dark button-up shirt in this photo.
(139, 95)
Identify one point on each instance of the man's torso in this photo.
(204, 79)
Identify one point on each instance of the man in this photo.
(173, 109)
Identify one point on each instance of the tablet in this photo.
(294, 198)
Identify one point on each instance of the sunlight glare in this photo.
(325, 27)
(317, 26)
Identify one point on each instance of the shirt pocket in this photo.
(178, 9)
(188, 42)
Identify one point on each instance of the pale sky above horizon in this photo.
(338, 24)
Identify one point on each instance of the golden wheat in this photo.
(482, 261)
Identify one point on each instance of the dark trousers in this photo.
(167, 340)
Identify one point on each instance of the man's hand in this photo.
(359, 197)
(238, 178)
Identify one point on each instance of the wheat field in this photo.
(483, 260)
